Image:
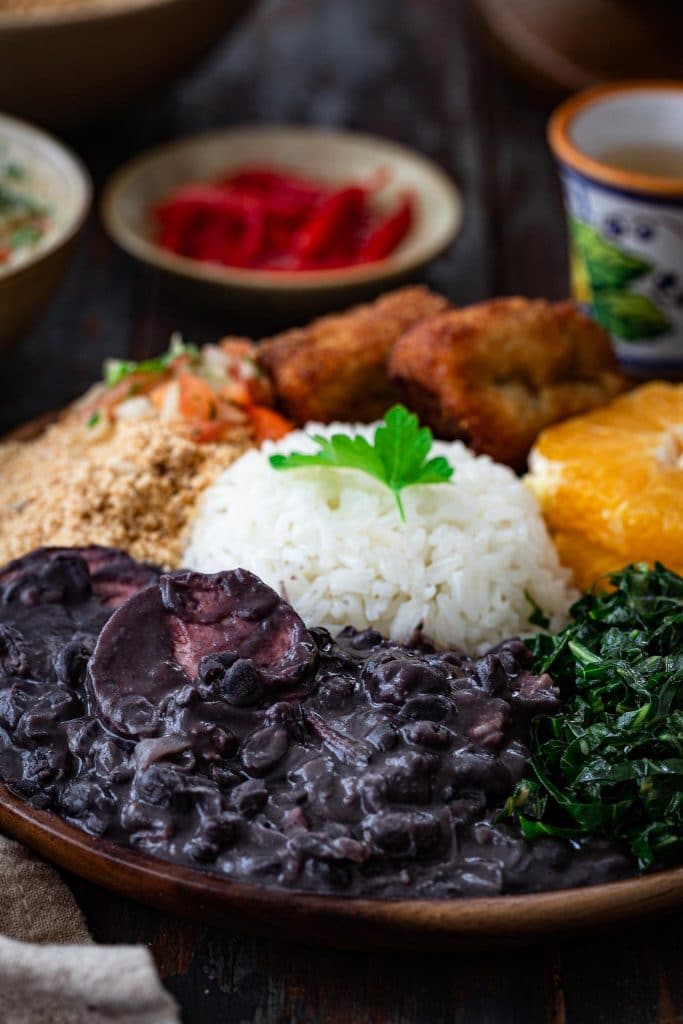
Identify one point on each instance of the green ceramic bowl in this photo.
(57, 179)
(333, 156)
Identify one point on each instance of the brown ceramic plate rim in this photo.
(148, 252)
(214, 899)
(75, 169)
(79, 14)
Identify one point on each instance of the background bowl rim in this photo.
(77, 172)
(79, 15)
(275, 280)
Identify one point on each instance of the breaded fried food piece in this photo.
(336, 367)
(497, 373)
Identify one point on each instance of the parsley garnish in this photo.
(610, 763)
(397, 457)
(116, 370)
(93, 419)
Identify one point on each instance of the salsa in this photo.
(207, 392)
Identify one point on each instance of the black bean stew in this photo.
(196, 718)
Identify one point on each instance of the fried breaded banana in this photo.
(336, 367)
(497, 373)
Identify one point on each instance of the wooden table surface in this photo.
(412, 70)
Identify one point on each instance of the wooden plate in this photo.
(330, 920)
(338, 922)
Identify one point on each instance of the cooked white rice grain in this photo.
(333, 543)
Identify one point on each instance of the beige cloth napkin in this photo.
(51, 972)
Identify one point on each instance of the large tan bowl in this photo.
(62, 183)
(333, 156)
(90, 58)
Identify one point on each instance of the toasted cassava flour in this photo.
(133, 486)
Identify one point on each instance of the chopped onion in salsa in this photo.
(209, 391)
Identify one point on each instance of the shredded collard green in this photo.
(611, 762)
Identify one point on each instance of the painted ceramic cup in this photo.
(620, 153)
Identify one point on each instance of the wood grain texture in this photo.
(413, 70)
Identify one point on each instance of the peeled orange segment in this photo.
(590, 563)
(610, 483)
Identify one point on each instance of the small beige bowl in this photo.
(328, 155)
(56, 177)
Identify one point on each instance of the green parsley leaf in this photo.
(93, 419)
(397, 457)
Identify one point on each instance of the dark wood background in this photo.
(413, 70)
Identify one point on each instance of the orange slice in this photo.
(610, 483)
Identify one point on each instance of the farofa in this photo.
(135, 486)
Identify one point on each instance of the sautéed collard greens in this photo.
(611, 763)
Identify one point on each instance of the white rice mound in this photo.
(333, 543)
